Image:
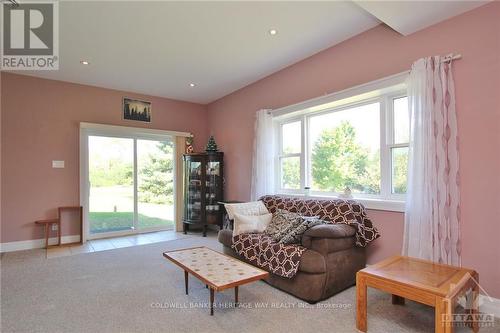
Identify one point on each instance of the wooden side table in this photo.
(419, 280)
(49, 222)
(47, 225)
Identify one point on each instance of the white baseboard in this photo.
(36, 243)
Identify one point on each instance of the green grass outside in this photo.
(116, 221)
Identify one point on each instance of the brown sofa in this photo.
(331, 260)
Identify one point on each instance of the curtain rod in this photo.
(451, 57)
(446, 58)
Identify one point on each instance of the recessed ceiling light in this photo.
(273, 32)
(192, 84)
(84, 62)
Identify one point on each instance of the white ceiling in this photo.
(158, 48)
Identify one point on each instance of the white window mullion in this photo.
(279, 178)
(136, 198)
(290, 155)
(303, 155)
(307, 154)
(277, 160)
(386, 125)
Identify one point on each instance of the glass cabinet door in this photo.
(213, 190)
(193, 190)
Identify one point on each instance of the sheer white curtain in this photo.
(263, 155)
(432, 215)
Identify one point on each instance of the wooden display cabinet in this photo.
(203, 189)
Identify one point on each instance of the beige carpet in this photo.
(135, 289)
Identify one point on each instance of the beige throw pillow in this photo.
(250, 224)
(246, 208)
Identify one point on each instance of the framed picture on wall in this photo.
(134, 109)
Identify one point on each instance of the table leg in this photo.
(475, 303)
(81, 225)
(211, 301)
(186, 281)
(361, 322)
(236, 297)
(398, 300)
(442, 314)
(59, 232)
(46, 235)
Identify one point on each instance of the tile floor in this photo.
(113, 243)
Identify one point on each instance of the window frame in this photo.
(281, 155)
(386, 200)
(390, 143)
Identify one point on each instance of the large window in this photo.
(362, 145)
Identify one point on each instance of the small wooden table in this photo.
(47, 226)
(57, 221)
(419, 280)
(216, 270)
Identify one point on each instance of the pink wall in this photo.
(0, 154)
(375, 54)
(40, 123)
(43, 117)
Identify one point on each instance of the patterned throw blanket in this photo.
(283, 260)
(262, 251)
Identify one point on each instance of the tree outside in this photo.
(156, 181)
(338, 161)
(290, 170)
(399, 170)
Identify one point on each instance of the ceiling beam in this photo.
(407, 17)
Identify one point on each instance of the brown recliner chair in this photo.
(331, 260)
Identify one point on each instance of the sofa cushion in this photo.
(248, 224)
(246, 208)
(328, 245)
(331, 231)
(328, 238)
(294, 236)
(282, 222)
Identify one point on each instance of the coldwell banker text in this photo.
(30, 35)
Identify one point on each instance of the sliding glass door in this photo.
(130, 184)
(155, 184)
(111, 180)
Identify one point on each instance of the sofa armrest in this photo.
(330, 231)
(328, 238)
(225, 237)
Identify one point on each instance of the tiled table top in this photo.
(216, 269)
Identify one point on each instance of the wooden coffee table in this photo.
(419, 280)
(216, 270)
